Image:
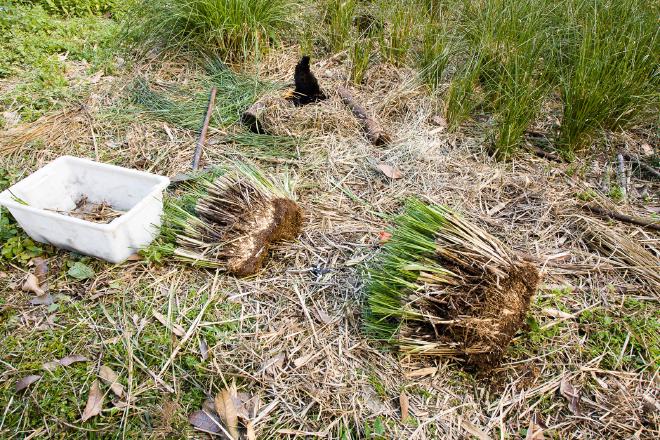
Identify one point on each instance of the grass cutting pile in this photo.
(471, 249)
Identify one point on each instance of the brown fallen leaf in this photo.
(31, 284)
(251, 433)
(64, 362)
(94, 402)
(26, 382)
(204, 421)
(111, 378)
(302, 360)
(273, 365)
(224, 406)
(534, 431)
(176, 328)
(40, 270)
(428, 371)
(389, 171)
(71, 359)
(572, 396)
(42, 300)
(404, 402)
(203, 349)
(475, 430)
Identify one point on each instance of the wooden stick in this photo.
(540, 152)
(652, 224)
(205, 126)
(375, 133)
(643, 165)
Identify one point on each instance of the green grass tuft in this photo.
(234, 30)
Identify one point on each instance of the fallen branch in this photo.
(375, 132)
(648, 168)
(652, 224)
(540, 152)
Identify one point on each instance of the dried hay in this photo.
(445, 287)
(236, 221)
(49, 129)
(626, 253)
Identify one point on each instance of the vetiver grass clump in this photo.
(232, 29)
(611, 78)
(445, 287)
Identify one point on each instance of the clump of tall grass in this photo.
(360, 56)
(462, 97)
(510, 39)
(396, 36)
(232, 29)
(435, 54)
(339, 16)
(612, 77)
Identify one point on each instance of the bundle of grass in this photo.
(234, 221)
(445, 287)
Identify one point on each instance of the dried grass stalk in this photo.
(627, 252)
(445, 287)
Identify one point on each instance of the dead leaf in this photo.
(176, 328)
(404, 402)
(64, 362)
(556, 313)
(568, 391)
(31, 284)
(111, 378)
(439, 121)
(134, 257)
(72, 359)
(384, 237)
(203, 349)
(26, 382)
(40, 270)
(389, 171)
(251, 434)
(94, 402)
(428, 371)
(273, 365)
(534, 431)
(647, 150)
(302, 360)
(224, 406)
(204, 421)
(474, 430)
(42, 300)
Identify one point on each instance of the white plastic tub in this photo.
(59, 185)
